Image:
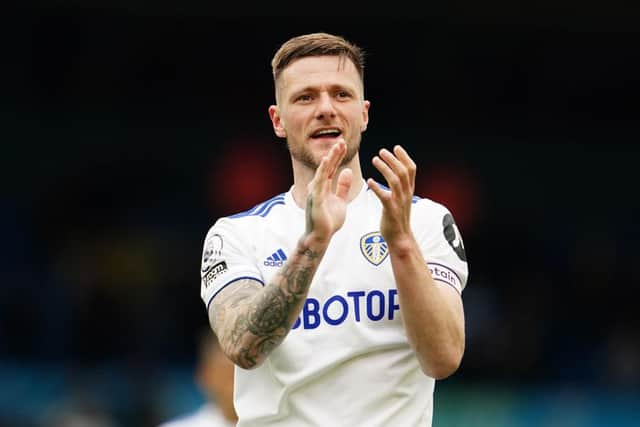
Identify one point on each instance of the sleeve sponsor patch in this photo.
(212, 251)
(442, 273)
(214, 272)
(452, 234)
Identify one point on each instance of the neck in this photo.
(302, 176)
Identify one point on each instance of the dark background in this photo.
(128, 129)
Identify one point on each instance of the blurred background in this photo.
(127, 129)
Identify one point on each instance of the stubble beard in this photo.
(305, 156)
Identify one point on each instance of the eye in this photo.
(343, 94)
(305, 97)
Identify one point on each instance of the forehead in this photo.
(318, 71)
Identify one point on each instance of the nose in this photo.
(325, 108)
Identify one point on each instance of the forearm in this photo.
(432, 315)
(250, 324)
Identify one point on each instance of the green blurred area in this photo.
(490, 405)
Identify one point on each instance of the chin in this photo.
(312, 154)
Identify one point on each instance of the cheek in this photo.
(295, 120)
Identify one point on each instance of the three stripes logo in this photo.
(276, 259)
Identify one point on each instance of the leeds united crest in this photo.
(374, 248)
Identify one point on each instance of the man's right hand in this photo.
(251, 320)
(327, 206)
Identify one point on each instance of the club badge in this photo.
(374, 248)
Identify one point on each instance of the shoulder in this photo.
(418, 202)
(424, 210)
(427, 210)
(261, 210)
(437, 224)
(247, 221)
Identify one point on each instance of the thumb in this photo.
(344, 183)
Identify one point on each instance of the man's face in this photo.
(320, 101)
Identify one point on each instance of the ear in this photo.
(277, 122)
(365, 115)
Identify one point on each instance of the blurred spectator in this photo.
(214, 376)
(80, 412)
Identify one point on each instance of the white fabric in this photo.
(207, 416)
(347, 361)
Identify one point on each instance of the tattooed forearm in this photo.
(298, 280)
(251, 322)
(269, 312)
(250, 356)
(307, 252)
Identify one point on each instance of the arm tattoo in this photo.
(251, 322)
(269, 312)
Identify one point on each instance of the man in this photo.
(340, 300)
(214, 376)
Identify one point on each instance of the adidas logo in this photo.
(276, 259)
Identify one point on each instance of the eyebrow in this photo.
(331, 88)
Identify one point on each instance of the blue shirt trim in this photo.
(414, 199)
(261, 209)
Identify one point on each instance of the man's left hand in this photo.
(399, 170)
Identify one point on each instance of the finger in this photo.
(388, 174)
(343, 186)
(398, 168)
(328, 163)
(380, 192)
(327, 169)
(408, 162)
(395, 164)
(336, 154)
(318, 179)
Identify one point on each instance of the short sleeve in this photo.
(441, 243)
(226, 258)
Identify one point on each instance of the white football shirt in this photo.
(347, 360)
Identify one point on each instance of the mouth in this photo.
(326, 133)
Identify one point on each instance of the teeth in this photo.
(327, 131)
